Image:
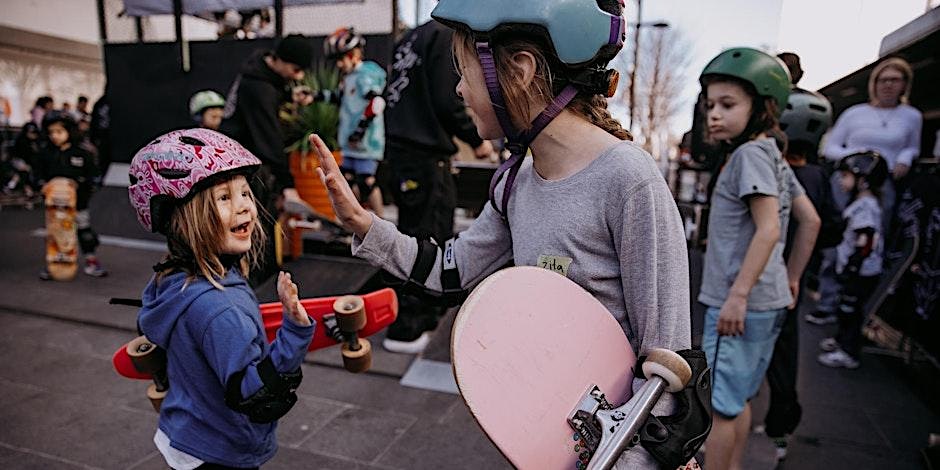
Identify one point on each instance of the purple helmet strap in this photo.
(488, 64)
(518, 144)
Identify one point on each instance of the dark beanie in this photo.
(296, 49)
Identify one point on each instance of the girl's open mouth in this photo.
(242, 229)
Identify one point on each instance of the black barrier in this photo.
(149, 91)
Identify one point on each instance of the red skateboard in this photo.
(347, 320)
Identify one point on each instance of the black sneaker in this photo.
(410, 333)
(44, 275)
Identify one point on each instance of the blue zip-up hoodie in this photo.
(209, 335)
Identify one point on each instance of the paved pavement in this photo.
(63, 406)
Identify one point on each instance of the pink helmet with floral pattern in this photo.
(174, 166)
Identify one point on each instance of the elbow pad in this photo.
(451, 294)
(674, 440)
(275, 398)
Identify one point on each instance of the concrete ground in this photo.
(64, 407)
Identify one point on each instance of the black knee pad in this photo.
(674, 440)
(365, 188)
(88, 240)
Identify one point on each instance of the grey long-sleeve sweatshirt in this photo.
(613, 228)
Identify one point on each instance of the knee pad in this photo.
(88, 240)
(365, 186)
(674, 440)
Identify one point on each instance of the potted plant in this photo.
(299, 123)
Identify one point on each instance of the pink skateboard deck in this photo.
(526, 346)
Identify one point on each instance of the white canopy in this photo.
(194, 7)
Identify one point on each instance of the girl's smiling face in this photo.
(237, 211)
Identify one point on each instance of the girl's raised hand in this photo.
(347, 208)
(287, 292)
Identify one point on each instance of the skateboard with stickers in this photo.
(345, 320)
(546, 371)
(61, 234)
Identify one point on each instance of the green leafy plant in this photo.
(318, 118)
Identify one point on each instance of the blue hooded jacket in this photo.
(209, 335)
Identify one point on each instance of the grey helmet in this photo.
(807, 117)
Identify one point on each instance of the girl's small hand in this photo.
(731, 316)
(347, 208)
(287, 291)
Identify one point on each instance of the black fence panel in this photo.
(149, 91)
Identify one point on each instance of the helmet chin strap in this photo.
(517, 142)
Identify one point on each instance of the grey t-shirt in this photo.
(613, 228)
(755, 168)
(864, 212)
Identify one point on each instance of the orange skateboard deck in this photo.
(528, 345)
(61, 235)
(381, 309)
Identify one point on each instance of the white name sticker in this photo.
(559, 264)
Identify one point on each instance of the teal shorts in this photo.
(741, 361)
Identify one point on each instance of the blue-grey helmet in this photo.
(806, 117)
(579, 30)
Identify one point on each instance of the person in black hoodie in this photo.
(251, 118)
(63, 156)
(422, 116)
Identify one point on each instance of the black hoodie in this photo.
(423, 111)
(251, 110)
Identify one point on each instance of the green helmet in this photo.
(203, 100)
(767, 73)
(581, 33)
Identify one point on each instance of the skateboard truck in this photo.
(604, 432)
(150, 359)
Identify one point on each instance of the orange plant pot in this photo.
(307, 182)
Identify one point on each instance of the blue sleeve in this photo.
(371, 80)
(232, 344)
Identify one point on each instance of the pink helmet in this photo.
(168, 170)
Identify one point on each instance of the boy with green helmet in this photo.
(206, 108)
(746, 285)
(589, 204)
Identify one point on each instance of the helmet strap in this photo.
(517, 142)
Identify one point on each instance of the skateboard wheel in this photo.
(359, 360)
(156, 397)
(669, 366)
(350, 313)
(146, 356)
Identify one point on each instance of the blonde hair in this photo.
(196, 235)
(895, 63)
(520, 98)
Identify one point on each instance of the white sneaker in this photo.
(820, 318)
(838, 358)
(780, 444)
(829, 344)
(407, 347)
